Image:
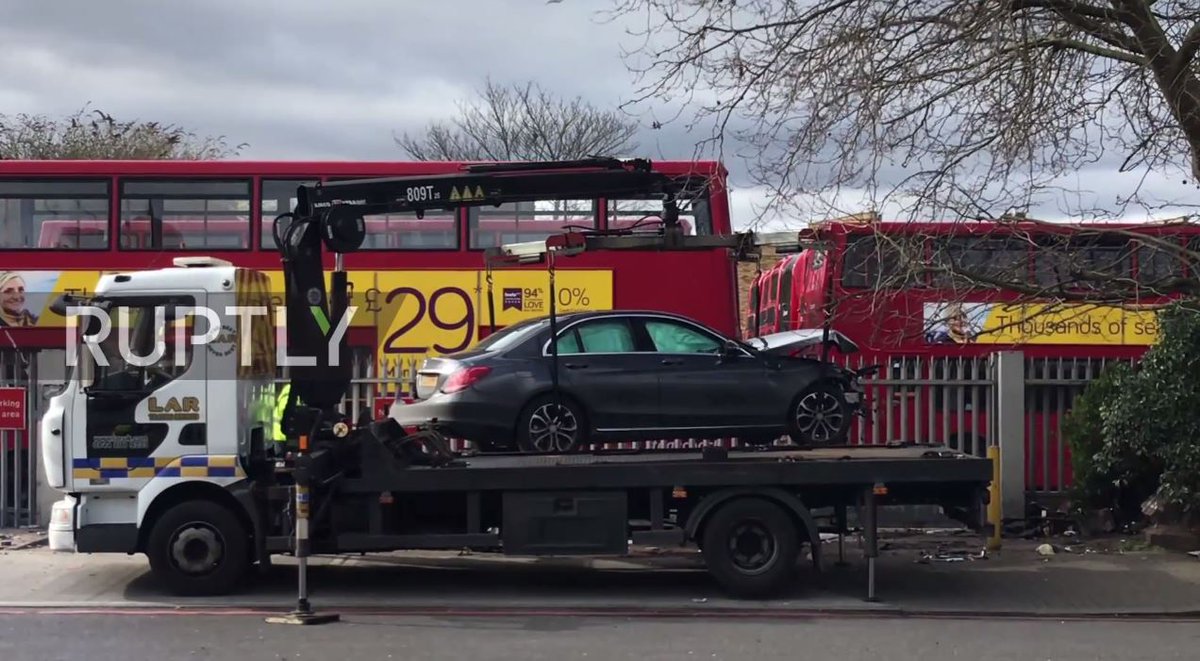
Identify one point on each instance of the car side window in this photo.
(606, 336)
(671, 337)
(569, 343)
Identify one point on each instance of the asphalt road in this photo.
(100, 637)
(1014, 580)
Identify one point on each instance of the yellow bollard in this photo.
(994, 509)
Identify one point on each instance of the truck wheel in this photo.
(199, 548)
(750, 546)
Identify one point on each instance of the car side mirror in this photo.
(730, 350)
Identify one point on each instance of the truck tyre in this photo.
(199, 548)
(750, 546)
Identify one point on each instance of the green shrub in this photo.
(1093, 483)
(1135, 433)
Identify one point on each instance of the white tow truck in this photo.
(161, 438)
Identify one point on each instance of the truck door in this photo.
(143, 402)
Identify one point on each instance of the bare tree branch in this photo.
(1093, 49)
(1188, 48)
(522, 122)
(929, 107)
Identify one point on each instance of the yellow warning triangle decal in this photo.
(479, 192)
(454, 196)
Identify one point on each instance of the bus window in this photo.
(436, 230)
(975, 261)
(646, 214)
(886, 263)
(528, 221)
(755, 308)
(278, 196)
(182, 214)
(786, 274)
(810, 297)
(772, 301)
(1158, 264)
(54, 213)
(1064, 263)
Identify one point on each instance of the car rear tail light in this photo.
(465, 378)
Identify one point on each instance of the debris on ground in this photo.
(1045, 549)
(1194, 554)
(17, 539)
(943, 555)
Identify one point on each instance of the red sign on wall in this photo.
(12, 408)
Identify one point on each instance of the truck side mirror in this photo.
(61, 302)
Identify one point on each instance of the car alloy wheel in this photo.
(819, 415)
(553, 428)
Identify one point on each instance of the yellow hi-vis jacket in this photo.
(280, 404)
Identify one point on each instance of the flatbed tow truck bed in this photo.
(846, 464)
(747, 510)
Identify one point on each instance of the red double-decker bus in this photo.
(63, 222)
(421, 284)
(931, 301)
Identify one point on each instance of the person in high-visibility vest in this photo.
(281, 399)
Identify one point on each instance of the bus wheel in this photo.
(820, 416)
(199, 548)
(750, 547)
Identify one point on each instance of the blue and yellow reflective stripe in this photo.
(147, 467)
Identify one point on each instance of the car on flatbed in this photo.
(629, 375)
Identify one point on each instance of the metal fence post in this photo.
(1010, 431)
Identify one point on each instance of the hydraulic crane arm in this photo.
(331, 215)
(490, 185)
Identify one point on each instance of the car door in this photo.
(601, 363)
(703, 387)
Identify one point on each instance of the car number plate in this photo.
(429, 381)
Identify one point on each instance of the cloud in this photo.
(304, 79)
(300, 78)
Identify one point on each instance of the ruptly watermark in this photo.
(140, 335)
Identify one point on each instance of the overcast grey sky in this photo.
(335, 79)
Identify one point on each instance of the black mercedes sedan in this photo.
(630, 375)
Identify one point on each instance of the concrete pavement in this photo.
(912, 579)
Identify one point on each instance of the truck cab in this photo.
(171, 388)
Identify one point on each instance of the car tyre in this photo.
(199, 548)
(547, 427)
(820, 416)
(750, 546)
